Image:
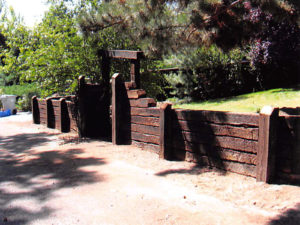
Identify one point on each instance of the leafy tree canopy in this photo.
(161, 26)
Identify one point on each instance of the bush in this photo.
(155, 84)
(211, 73)
(24, 93)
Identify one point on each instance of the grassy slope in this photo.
(252, 102)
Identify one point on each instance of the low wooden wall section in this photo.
(288, 146)
(53, 112)
(263, 145)
(144, 125)
(228, 141)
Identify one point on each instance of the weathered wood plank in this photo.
(55, 103)
(142, 102)
(165, 126)
(147, 146)
(217, 129)
(221, 141)
(122, 54)
(35, 110)
(136, 93)
(145, 138)
(144, 129)
(236, 167)
(220, 153)
(250, 119)
(266, 144)
(149, 112)
(116, 110)
(150, 121)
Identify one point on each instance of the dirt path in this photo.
(46, 180)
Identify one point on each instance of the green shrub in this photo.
(209, 73)
(24, 92)
(155, 84)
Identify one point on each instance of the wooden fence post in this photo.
(35, 110)
(116, 106)
(63, 115)
(165, 129)
(48, 102)
(267, 144)
(81, 114)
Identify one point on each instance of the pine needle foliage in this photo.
(164, 26)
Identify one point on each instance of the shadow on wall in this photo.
(193, 139)
(289, 217)
(28, 180)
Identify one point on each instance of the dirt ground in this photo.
(50, 178)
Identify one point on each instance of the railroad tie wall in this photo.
(288, 146)
(228, 141)
(52, 112)
(144, 123)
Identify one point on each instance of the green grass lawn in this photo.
(252, 102)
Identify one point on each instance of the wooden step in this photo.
(136, 94)
(143, 102)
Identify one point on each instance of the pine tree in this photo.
(161, 26)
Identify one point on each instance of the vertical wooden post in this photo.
(81, 114)
(267, 144)
(35, 110)
(165, 129)
(62, 112)
(48, 102)
(116, 106)
(135, 73)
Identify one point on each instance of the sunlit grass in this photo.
(252, 102)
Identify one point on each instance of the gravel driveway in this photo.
(50, 178)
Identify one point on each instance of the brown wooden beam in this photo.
(122, 54)
(35, 110)
(266, 144)
(165, 130)
(115, 103)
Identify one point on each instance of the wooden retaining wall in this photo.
(144, 125)
(263, 145)
(228, 141)
(53, 112)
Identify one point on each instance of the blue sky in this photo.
(30, 10)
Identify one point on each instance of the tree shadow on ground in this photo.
(23, 142)
(289, 217)
(29, 178)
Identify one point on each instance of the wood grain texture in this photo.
(250, 119)
(150, 121)
(221, 141)
(147, 146)
(144, 129)
(136, 93)
(217, 129)
(149, 112)
(142, 102)
(267, 145)
(147, 138)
